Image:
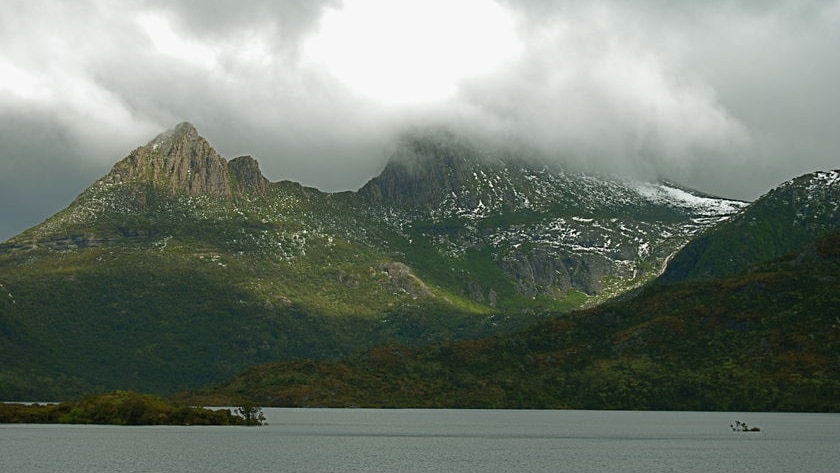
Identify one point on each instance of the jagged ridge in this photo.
(181, 161)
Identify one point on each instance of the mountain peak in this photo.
(246, 175)
(181, 161)
(181, 131)
(427, 166)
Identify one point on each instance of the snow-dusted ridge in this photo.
(667, 194)
(822, 179)
(551, 229)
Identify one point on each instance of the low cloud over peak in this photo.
(728, 97)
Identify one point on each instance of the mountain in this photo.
(537, 230)
(783, 220)
(764, 337)
(764, 340)
(180, 268)
(182, 162)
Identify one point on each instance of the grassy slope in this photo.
(178, 293)
(764, 340)
(784, 220)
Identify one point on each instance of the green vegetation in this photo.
(764, 340)
(126, 408)
(786, 219)
(168, 293)
(161, 281)
(251, 414)
(139, 286)
(155, 323)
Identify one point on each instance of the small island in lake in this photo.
(743, 427)
(127, 408)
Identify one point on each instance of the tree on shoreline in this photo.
(252, 414)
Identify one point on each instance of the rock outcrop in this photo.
(541, 273)
(401, 277)
(246, 176)
(424, 171)
(180, 161)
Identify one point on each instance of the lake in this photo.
(413, 440)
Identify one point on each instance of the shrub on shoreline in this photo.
(121, 408)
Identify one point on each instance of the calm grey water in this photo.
(399, 441)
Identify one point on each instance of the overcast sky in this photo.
(729, 97)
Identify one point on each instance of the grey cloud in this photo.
(32, 187)
(288, 20)
(730, 97)
(594, 92)
(743, 97)
(773, 66)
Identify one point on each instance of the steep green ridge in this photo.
(784, 220)
(767, 339)
(179, 268)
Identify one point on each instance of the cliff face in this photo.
(245, 175)
(423, 172)
(182, 162)
(165, 175)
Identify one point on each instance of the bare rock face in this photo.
(540, 273)
(403, 279)
(423, 172)
(246, 175)
(182, 162)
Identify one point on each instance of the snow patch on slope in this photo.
(824, 179)
(666, 194)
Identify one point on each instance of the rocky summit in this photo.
(182, 162)
(180, 268)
